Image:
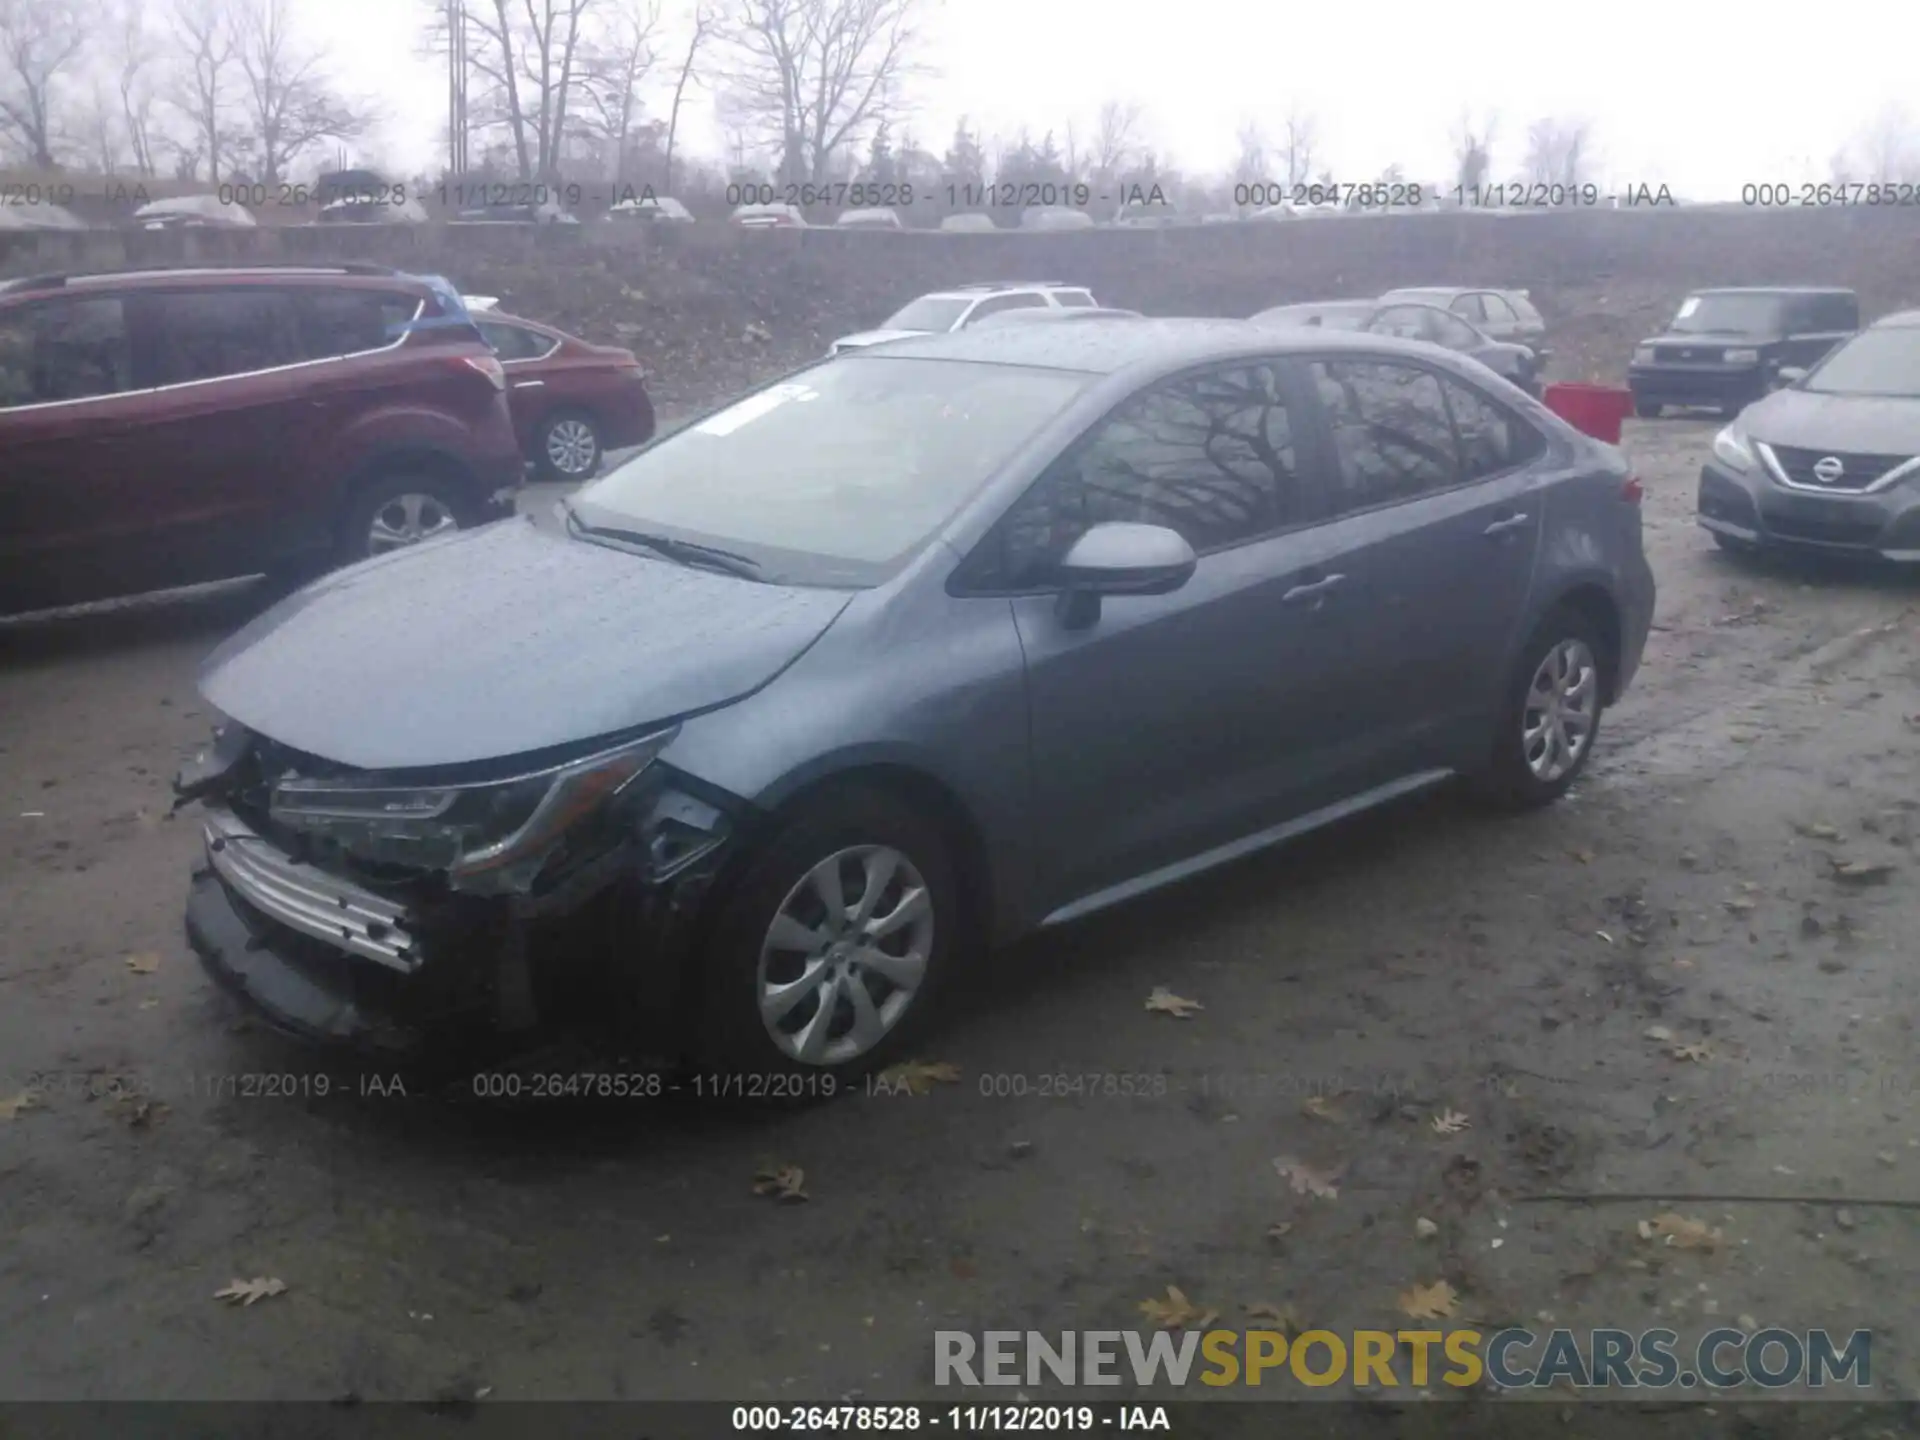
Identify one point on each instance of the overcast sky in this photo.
(1700, 97)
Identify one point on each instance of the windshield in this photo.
(1728, 315)
(1874, 362)
(1327, 317)
(929, 312)
(836, 476)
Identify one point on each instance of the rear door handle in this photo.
(1510, 522)
(528, 384)
(1299, 594)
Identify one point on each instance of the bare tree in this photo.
(1473, 150)
(1299, 136)
(132, 54)
(1250, 158)
(39, 43)
(813, 75)
(530, 58)
(207, 36)
(289, 103)
(1114, 141)
(1886, 149)
(617, 59)
(703, 23)
(1559, 152)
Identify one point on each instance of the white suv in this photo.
(944, 310)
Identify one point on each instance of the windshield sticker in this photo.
(753, 407)
(1688, 306)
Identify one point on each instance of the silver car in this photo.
(915, 651)
(1831, 460)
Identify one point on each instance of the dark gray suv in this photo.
(1831, 461)
(923, 647)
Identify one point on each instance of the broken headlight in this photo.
(489, 838)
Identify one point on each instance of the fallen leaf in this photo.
(245, 1292)
(1450, 1122)
(1280, 1315)
(1860, 872)
(1660, 1033)
(1425, 1228)
(785, 1183)
(1672, 1228)
(1428, 1302)
(962, 1268)
(143, 963)
(1278, 1230)
(1168, 1003)
(1322, 1184)
(1817, 832)
(1321, 1108)
(1585, 857)
(1738, 907)
(1177, 1312)
(149, 1004)
(11, 1107)
(1698, 1053)
(917, 1077)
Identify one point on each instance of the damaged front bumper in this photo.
(413, 968)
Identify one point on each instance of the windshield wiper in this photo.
(686, 552)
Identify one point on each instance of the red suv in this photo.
(165, 427)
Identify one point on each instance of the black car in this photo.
(1725, 348)
(1416, 320)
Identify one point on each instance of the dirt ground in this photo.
(1546, 977)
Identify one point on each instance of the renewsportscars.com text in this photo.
(1509, 1359)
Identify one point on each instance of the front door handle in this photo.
(528, 384)
(1510, 522)
(1300, 594)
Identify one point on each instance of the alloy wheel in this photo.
(572, 448)
(407, 520)
(1557, 722)
(845, 955)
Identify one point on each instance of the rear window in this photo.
(64, 350)
(349, 322)
(209, 334)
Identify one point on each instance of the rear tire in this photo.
(400, 509)
(879, 960)
(568, 447)
(1550, 716)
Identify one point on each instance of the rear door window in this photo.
(350, 322)
(1498, 311)
(1392, 432)
(514, 342)
(1073, 299)
(1453, 332)
(1492, 438)
(69, 349)
(211, 334)
(1469, 306)
(1828, 313)
(1024, 300)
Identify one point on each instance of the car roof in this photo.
(1898, 320)
(1148, 342)
(980, 289)
(1773, 290)
(362, 276)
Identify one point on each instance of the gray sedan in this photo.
(917, 650)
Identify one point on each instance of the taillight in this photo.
(1633, 492)
(488, 366)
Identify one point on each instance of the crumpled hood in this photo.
(502, 641)
(1853, 424)
(861, 339)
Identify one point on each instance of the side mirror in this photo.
(1120, 558)
(1788, 375)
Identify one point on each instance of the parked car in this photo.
(572, 401)
(1829, 461)
(393, 209)
(1146, 215)
(651, 209)
(871, 218)
(193, 212)
(542, 212)
(965, 305)
(34, 213)
(1413, 320)
(1725, 347)
(163, 427)
(968, 220)
(1054, 217)
(910, 653)
(1051, 313)
(1498, 314)
(769, 217)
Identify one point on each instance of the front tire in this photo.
(1550, 717)
(400, 510)
(568, 447)
(1648, 409)
(828, 951)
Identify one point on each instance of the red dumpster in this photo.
(1595, 410)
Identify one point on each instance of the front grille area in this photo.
(1825, 530)
(1857, 471)
(1689, 354)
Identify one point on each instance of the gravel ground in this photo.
(1548, 978)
